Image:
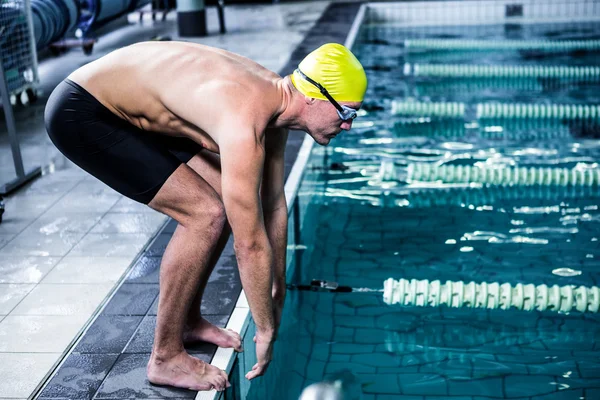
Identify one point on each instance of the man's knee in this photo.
(207, 215)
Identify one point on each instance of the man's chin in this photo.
(323, 141)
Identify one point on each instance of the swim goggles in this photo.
(346, 113)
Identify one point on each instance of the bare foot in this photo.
(185, 371)
(207, 332)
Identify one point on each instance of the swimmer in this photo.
(199, 134)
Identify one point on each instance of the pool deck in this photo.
(79, 262)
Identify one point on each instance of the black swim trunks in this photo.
(134, 162)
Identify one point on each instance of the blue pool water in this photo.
(360, 229)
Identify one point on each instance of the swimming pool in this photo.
(381, 202)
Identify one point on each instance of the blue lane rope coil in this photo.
(486, 45)
(524, 110)
(494, 295)
(503, 176)
(456, 110)
(581, 73)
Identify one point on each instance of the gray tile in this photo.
(217, 299)
(11, 294)
(79, 377)
(127, 379)
(108, 334)
(158, 246)
(25, 269)
(21, 372)
(111, 245)
(75, 201)
(31, 206)
(5, 238)
(226, 271)
(35, 243)
(15, 222)
(145, 270)
(39, 334)
(130, 223)
(73, 269)
(132, 299)
(50, 223)
(126, 205)
(142, 340)
(63, 299)
(170, 226)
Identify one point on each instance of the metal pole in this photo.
(10, 123)
(220, 8)
(22, 178)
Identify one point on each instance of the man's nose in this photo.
(346, 125)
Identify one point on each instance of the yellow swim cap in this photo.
(337, 69)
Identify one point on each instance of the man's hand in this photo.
(264, 353)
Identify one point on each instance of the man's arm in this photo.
(275, 212)
(242, 161)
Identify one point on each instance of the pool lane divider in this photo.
(494, 295)
(495, 45)
(579, 73)
(517, 176)
(583, 112)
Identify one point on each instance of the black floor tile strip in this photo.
(109, 362)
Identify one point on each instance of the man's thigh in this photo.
(208, 166)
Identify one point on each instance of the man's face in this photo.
(327, 123)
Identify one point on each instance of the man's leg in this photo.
(194, 204)
(208, 166)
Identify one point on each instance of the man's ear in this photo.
(309, 100)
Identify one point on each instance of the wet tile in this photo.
(132, 299)
(142, 340)
(25, 269)
(217, 320)
(63, 299)
(40, 244)
(127, 379)
(5, 238)
(21, 372)
(217, 299)
(170, 227)
(157, 248)
(39, 334)
(130, 223)
(50, 223)
(126, 205)
(108, 334)
(79, 377)
(226, 271)
(11, 294)
(15, 223)
(145, 270)
(79, 201)
(73, 269)
(91, 185)
(111, 245)
(47, 185)
(31, 206)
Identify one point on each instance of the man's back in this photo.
(180, 89)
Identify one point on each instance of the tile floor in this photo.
(66, 239)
